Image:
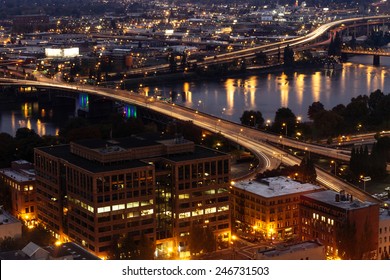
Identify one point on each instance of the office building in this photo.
(94, 191)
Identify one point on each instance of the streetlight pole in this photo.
(365, 179)
(335, 168)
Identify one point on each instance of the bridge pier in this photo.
(376, 60)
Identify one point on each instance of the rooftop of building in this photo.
(275, 186)
(14, 255)
(336, 199)
(7, 218)
(63, 152)
(384, 215)
(289, 249)
(199, 153)
(70, 249)
(18, 175)
(122, 143)
(176, 149)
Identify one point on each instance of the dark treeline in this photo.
(363, 113)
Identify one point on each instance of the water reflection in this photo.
(284, 87)
(264, 92)
(230, 86)
(29, 115)
(268, 92)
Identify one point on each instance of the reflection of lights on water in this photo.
(316, 86)
(284, 90)
(13, 120)
(252, 83)
(230, 89)
(299, 87)
(28, 124)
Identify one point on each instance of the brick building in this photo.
(269, 207)
(347, 227)
(20, 179)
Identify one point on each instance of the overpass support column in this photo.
(376, 60)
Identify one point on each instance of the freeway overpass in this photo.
(252, 139)
(271, 48)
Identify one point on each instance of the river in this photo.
(228, 98)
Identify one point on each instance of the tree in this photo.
(357, 111)
(201, 239)
(284, 121)
(288, 56)
(127, 248)
(9, 244)
(383, 146)
(39, 235)
(307, 173)
(26, 140)
(328, 123)
(335, 45)
(314, 109)
(7, 149)
(383, 110)
(252, 118)
(146, 248)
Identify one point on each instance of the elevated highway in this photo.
(306, 41)
(255, 140)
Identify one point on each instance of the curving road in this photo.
(254, 140)
(268, 48)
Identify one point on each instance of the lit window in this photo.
(146, 212)
(184, 215)
(197, 212)
(210, 210)
(184, 196)
(132, 204)
(223, 208)
(133, 214)
(104, 209)
(118, 207)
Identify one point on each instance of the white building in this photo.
(9, 225)
(309, 250)
(62, 52)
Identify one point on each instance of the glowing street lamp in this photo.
(335, 166)
(285, 125)
(365, 179)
